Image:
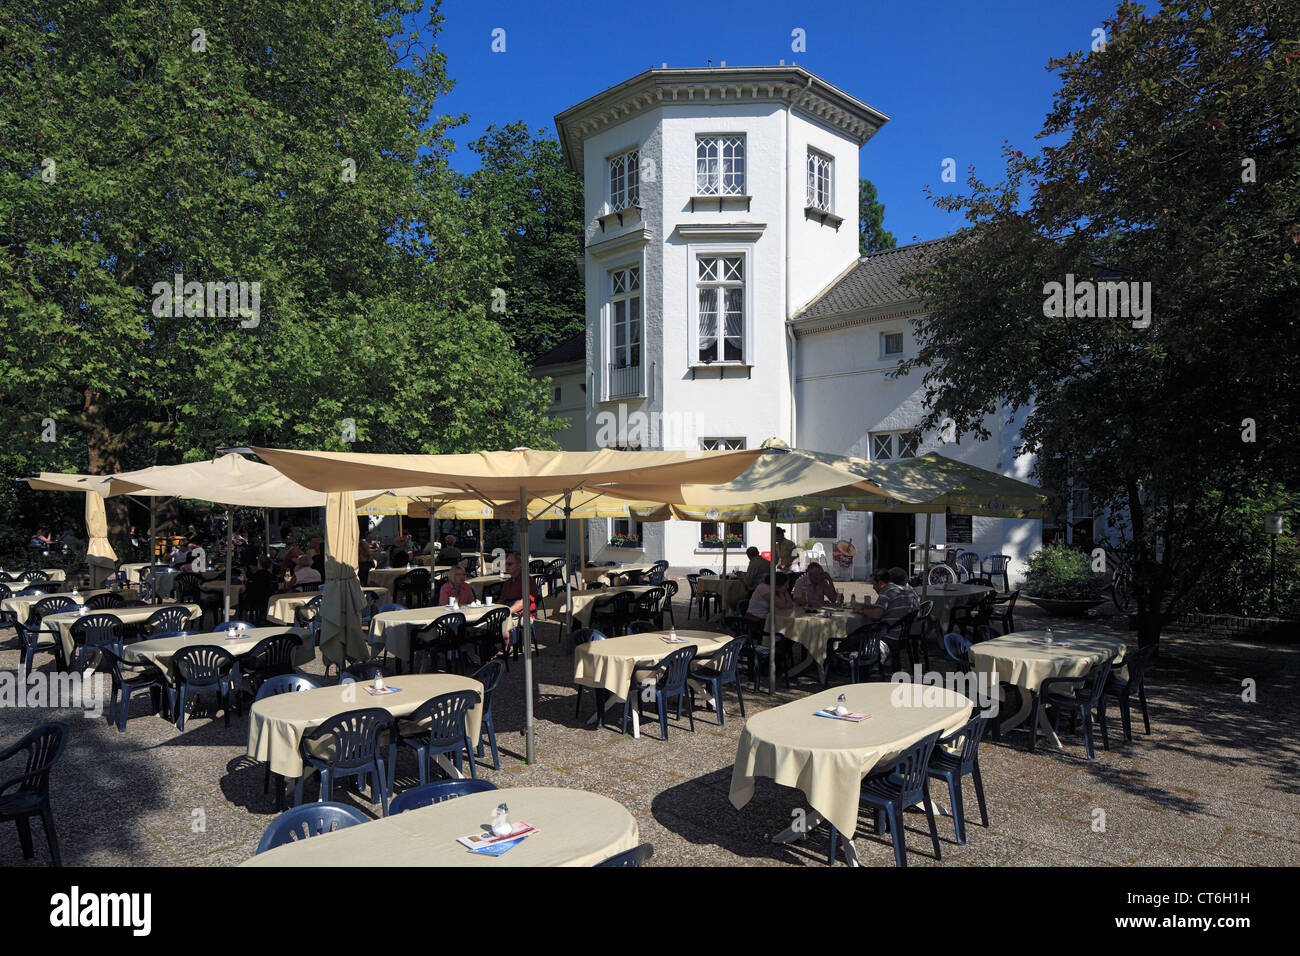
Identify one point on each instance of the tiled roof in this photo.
(875, 280)
(572, 349)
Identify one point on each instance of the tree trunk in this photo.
(103, 457)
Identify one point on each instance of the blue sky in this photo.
(956, 79)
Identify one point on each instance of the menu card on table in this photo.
(830, 712)
(489, 844)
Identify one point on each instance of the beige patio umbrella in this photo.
(99, 553)
(340, 608)
(520, 474)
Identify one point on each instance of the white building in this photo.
(727, 303)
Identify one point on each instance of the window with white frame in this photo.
(711, 531)
(889, 446)
(720, 165)
(891, 345)
(819, 180)
(624, 184)
(720, 285)
(625, 330)
(625, 533)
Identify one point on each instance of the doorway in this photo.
(894, 534)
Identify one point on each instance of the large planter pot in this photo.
(1064, 607)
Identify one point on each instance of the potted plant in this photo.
(715, 541)
(624, 541)
(1061, 581)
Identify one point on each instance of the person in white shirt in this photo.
(815, 588)
(760, 600)
(305, 574)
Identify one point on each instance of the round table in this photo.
(385, 577)
(159, 651)
(1025, 659)
(20, 604)
(276, 724)
(391, 630)
(280, 607)
(735, 593)
(600, 573)
(827, 758)
(584, 602)
(574, 828)
(947, 597)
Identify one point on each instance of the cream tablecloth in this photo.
(599, 574)
(392, 629)
(609, 664)
(276, 724)
(280, 607)
(736, 590)
(947, 597)
(384, 577)
(1022, 659)
(815, 632)
(127, 615)
(21, 604)
(574, 828)
(159, 651)
(827, 758)
(584, 602)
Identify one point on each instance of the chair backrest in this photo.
(231, 626)
(446, 716)
(1008, 599)
(623, 603)
(173, 618)
(968, 560)
(417, 579)
(43, 747)
(691, 579)
(633, 857)
(436, 792)
(102, 602)
(49, 605)
(726, 661)
(670, 589)
(5, 591)
(641, 627)
(35, 574)
(1096, 680)
(909, 770)
(1137, 663)
(285, 684)
(188, 586)
(309, 820)
(360, 672)
(585, 635)
(649, 601)
(384, 608)
(492, 591)
(674, 669)
(707, 573)
(925, 611)
(96, 630)
(356, 735)
(957, 647)
(865, 641)
(903, 626)
(490, 623)
(966, 739)
(274, 653)
(489, 675)
(202, 664)
(994, 563)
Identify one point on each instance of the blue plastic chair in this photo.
(436, 792)
(311, 820)
(633, 857)
(958, 648)
(970, 562)
(198, 668)
(995, 565)
(1078, 695)
(127, 680)
(722, 668)
(28, 794)
(894, 789)
(489, 675)
(271, 687)
(349, 745)
(166, 620)
(443, 734)
(439, 637)
(91, 634)
(670, 683)
(952, 767)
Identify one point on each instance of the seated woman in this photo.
(457, 588)
(305, 574)
(761, 599)
(450, 554)
(512, 593)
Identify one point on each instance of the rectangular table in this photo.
(64, 620)
(392, 629)
(160, 650)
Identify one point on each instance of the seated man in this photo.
(456, 587)
(815, 588)
(450, 554)
(305, 574)
(759, 568)
(512, 593)
(894, 602)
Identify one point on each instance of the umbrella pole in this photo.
(582, 550)
(568, 591)
(482, 554)
(726, 591)
(771, 606)
(526, 622)
(153, 558)
(230, 546)
(925, 560)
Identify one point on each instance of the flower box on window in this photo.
(714, 541)
(624, 541)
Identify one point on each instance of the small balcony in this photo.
(624, 381)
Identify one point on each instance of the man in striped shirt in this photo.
(894, 602)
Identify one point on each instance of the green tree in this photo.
(872, 236)
(1176, 166)
(290, 144)
(534, 202)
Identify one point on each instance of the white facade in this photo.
(743, 210)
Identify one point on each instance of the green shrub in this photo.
(1062, 573)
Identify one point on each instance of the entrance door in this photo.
(893, 535)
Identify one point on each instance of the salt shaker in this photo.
(501, 821)
(841, 706)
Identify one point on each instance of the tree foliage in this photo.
(290, 144)
(1177, 166)
(872, 235)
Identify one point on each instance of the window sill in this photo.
(824, 216)
(618, 214)
(734, 551)
(729, 201)
(721, 367)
